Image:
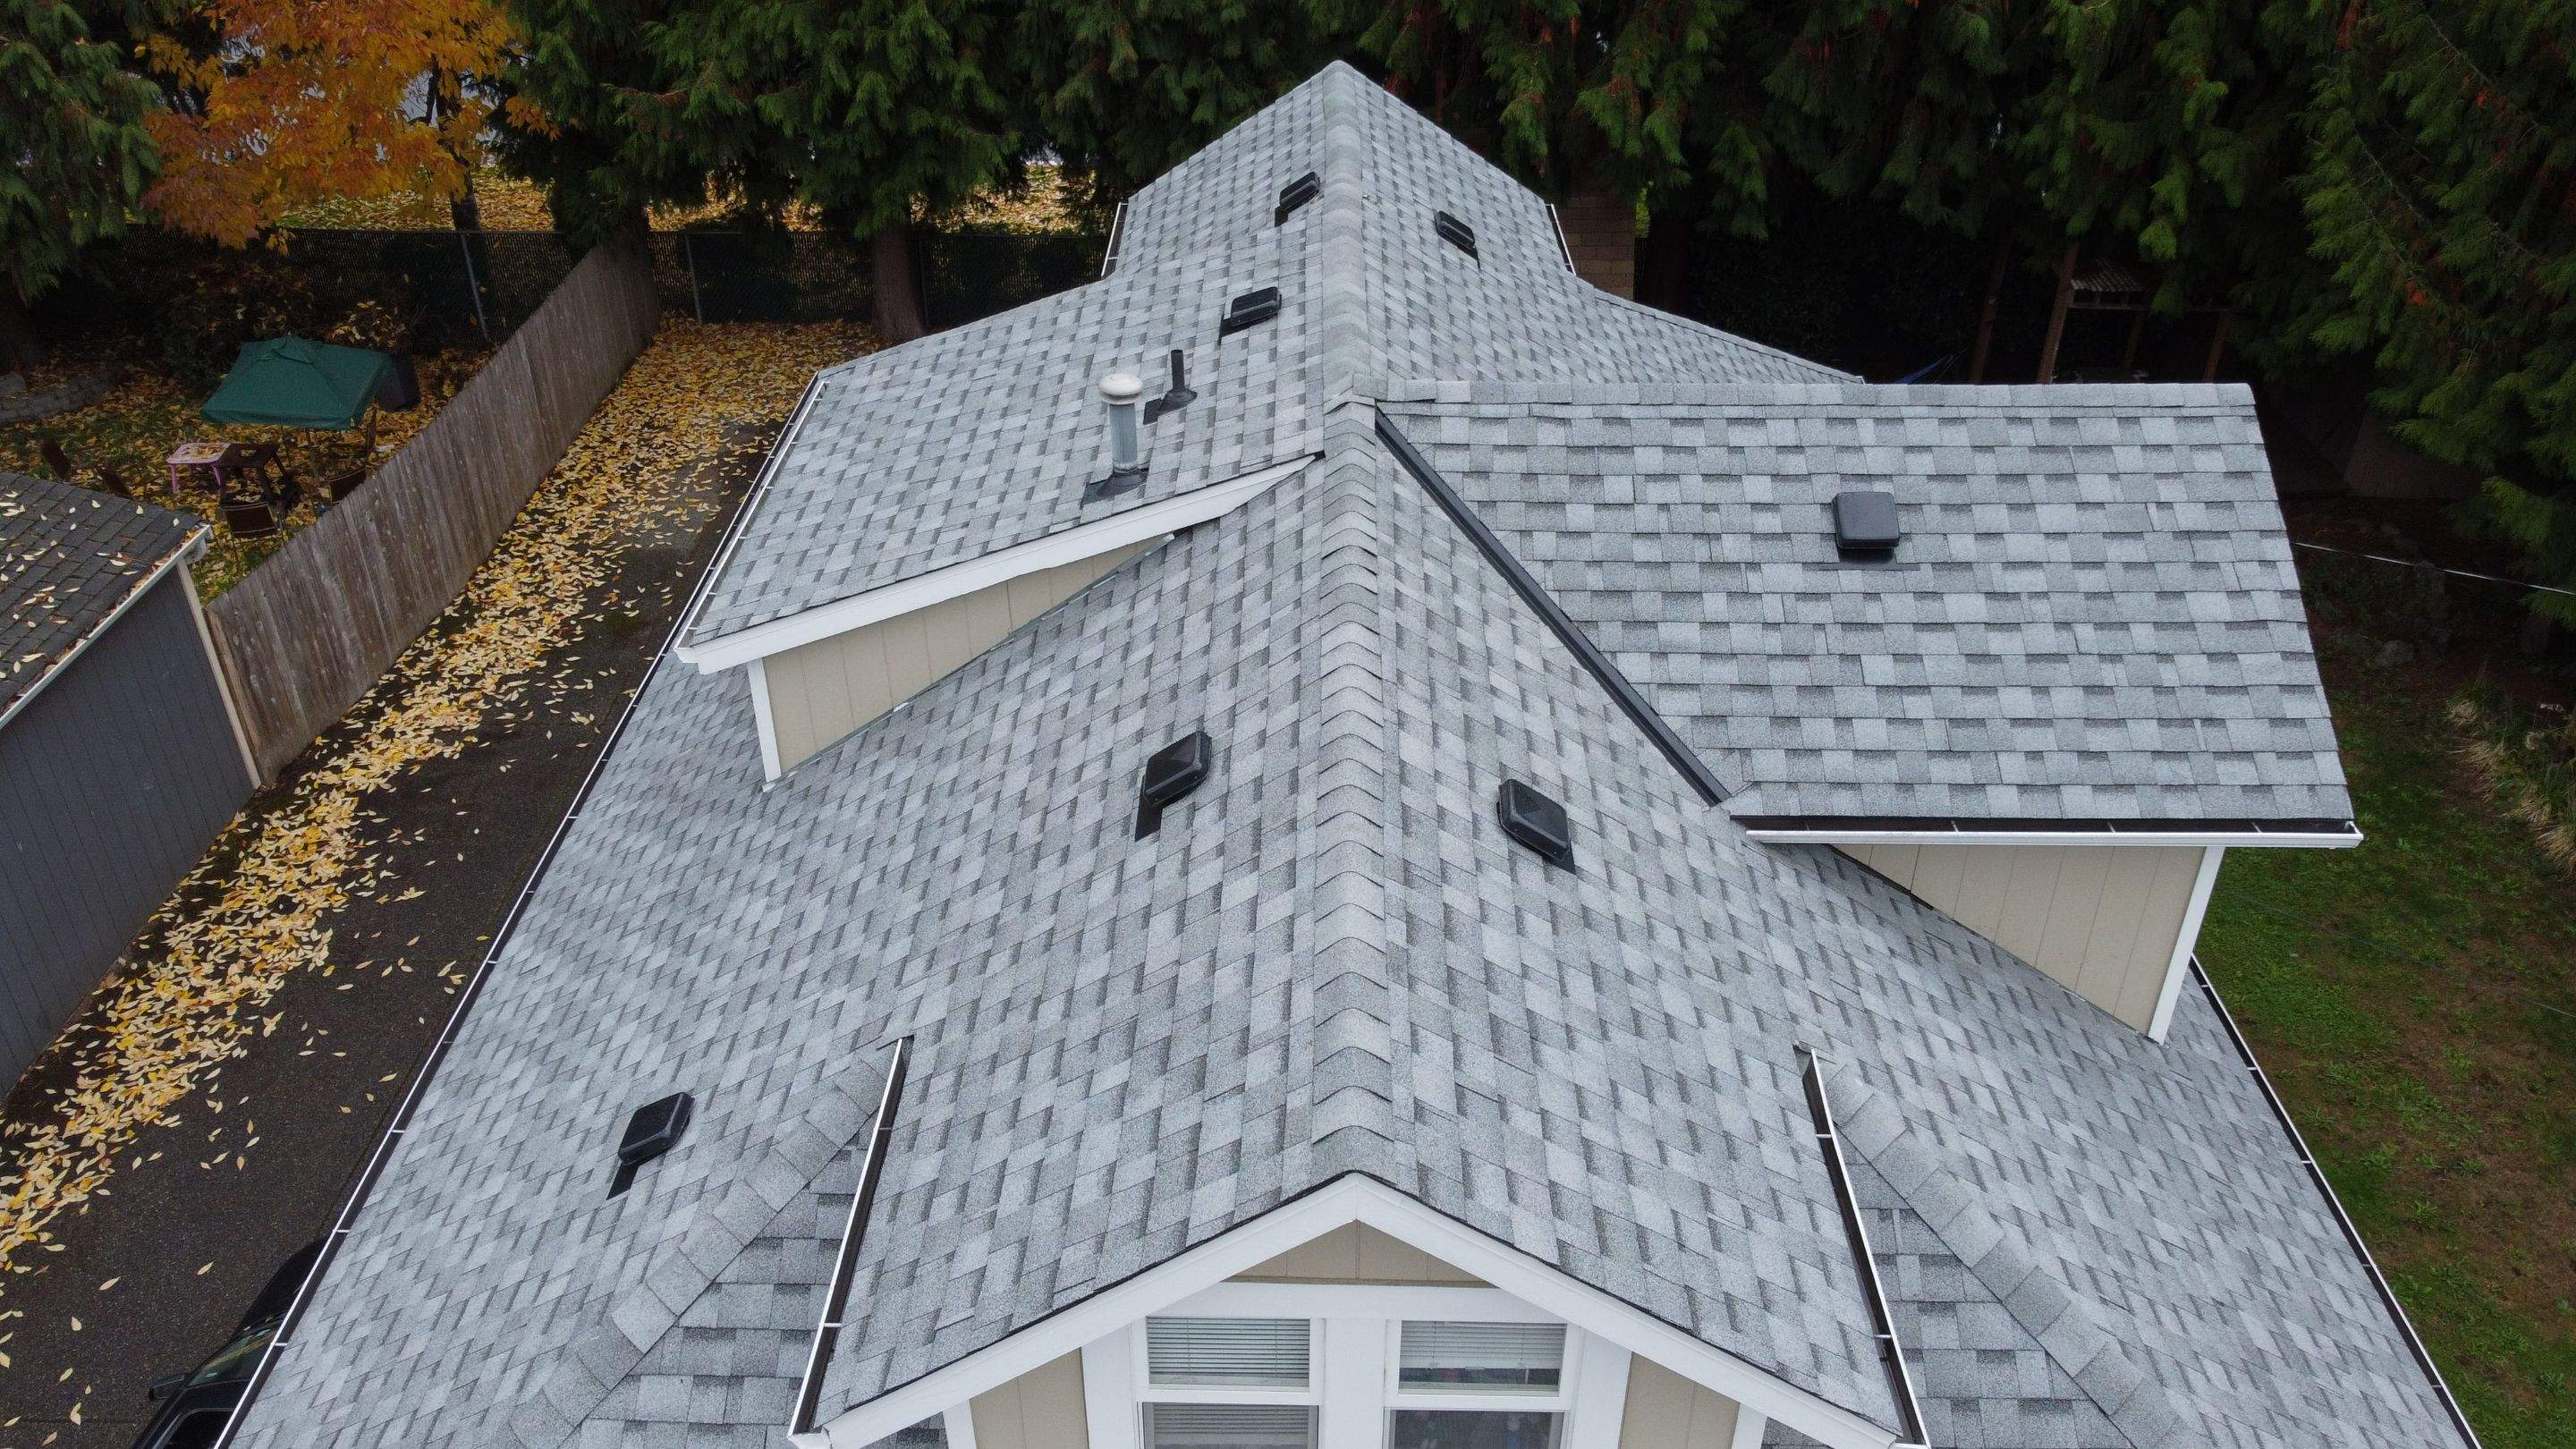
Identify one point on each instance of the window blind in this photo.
(1229, 1426)
(1496, 1357)
(1260, 1353)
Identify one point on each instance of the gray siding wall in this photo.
(113, 780)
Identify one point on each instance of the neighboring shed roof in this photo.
(69, 560)
(2092, 614)
(1328, 961)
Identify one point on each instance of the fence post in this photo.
(474, 285)
(689, 254)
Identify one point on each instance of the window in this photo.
(1246, 1353)
(1504, 1358)
(1464, 1429)
(1229, 1426)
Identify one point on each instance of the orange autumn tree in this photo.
(301, 101)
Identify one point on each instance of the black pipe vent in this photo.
(1455, 232)
(1865, 525)
(1249, 310)
(1537, 822)
(1296, 194)
(1170, 774)
(1177, 396)
(654, 1129)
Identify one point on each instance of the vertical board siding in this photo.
(1041, 1409)
(310, 630)
(2101, 919)
(1667, 1411)
(820, 692)
(1357, 1253)
(112, 782)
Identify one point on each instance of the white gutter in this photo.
(194, 545)
(2144, 835)
(1055, 550)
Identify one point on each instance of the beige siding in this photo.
(2103, 919)
(821, 691)
(1041, 1409)
(1667, 1411)
(1356, 1253)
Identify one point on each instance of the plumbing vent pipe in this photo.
(1125, 394)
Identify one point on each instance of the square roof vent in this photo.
(654, 1129)
(1171, 773)
(1296, 194)
(1865, 524)
(1537, 822)
(1455, 232)
(1249, 310)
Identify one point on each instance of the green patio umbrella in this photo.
(289, 382)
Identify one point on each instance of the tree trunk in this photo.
(896, 285)
(1664, 261)
(19, 344)
(1986, 314)
(2057, 316)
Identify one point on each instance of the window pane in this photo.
(1229, 1426)
(1260, 1353)
(1462, 1429)
(1498, 1357)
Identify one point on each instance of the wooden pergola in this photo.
(2100, 284)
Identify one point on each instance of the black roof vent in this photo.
(1865, 524)
(1455, 232)
(1296, 194)
(1537, 822)
(1177, 396)
(653, 1130)
(1173, 772)
(1249, 310)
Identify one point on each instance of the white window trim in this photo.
(1350, 1198)
(1071, 545)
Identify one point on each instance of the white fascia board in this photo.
(2186, 941)
(2342, 840)
(189, 548)
(1072, 545)
(1348, 1199)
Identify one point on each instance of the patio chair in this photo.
(58, 460)
(338, 486)
(114, 482)
(249, 514)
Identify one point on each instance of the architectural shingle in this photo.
(69, 559)
(1328, 961)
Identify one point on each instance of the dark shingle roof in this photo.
(69, 559)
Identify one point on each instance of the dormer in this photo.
(829, 635)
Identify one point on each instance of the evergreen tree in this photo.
(1124, 91)
(73, 113)
(2443, 191)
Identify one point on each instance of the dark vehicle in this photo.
(196, 1405)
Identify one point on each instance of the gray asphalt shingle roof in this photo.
(1328, 961)
(2092, 614)
(70, 558)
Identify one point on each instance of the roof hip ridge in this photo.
(2064, 1324)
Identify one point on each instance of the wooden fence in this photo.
(310, 630)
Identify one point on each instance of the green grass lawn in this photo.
(2392, 991)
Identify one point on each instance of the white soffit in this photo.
(1073, 545)
(1352, 1198)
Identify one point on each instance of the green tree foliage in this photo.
(1655, 99)
(72, 110)
(613, 138)
(1124, 91)
(2443, 192)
